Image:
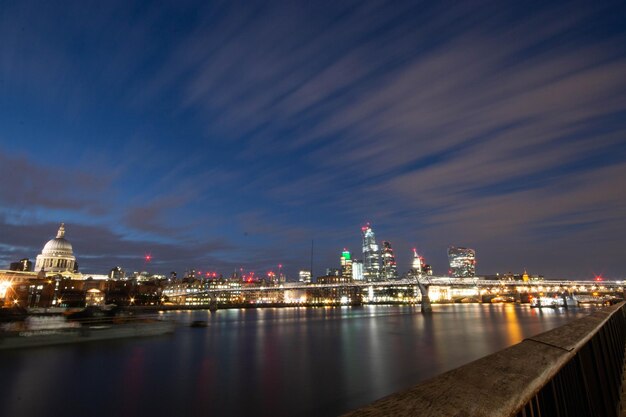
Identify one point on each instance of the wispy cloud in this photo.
(494, 125)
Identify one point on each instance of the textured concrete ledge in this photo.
(495, 385)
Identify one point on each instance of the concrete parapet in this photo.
(500, 384)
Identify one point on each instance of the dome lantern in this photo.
(61, 232)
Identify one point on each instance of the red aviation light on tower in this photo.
(147, 257)
(598, 277)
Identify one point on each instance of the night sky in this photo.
(219, 135)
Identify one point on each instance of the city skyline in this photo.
(57, 256)
(220, 136)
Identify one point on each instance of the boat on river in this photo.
(56, 330)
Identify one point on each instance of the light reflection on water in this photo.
(279, 362)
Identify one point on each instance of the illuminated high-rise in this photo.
(305, 276)
(346, 264)
(371, 255)
(389, 269)
(357, 270)
(416, 264)
(462, 262)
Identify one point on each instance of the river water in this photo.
(263, 362)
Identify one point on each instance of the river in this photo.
(263, 362)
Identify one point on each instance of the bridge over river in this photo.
(410, 290)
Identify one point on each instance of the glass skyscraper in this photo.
(371, 255)
(390, 269)
(462, 262)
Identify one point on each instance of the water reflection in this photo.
(279, 362)
(513, 328)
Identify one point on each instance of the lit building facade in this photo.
(357, 270)
(416, 264)
(371, 254)
(24, 265)
(336, 272)
(389, 269)
(116, 273)
(57, 255)
(305, 276)
(346, 264)
(462, 262)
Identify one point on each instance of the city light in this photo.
(4, 286)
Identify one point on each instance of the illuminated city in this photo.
(58, 284)
(313, 209)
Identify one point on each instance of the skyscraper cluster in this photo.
(379, 264)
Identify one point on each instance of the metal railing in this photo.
(573, 370)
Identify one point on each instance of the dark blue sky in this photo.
(216, 135)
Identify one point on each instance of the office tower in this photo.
(335, 272)
(462, 262)
(346, 265)
(371, 256)
(357, 270)
(416, 264)
(305, 276)
(389, 269)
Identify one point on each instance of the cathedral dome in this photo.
(57, 255)
(58, 246)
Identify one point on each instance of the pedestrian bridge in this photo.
(421, 290)
(531, 286)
